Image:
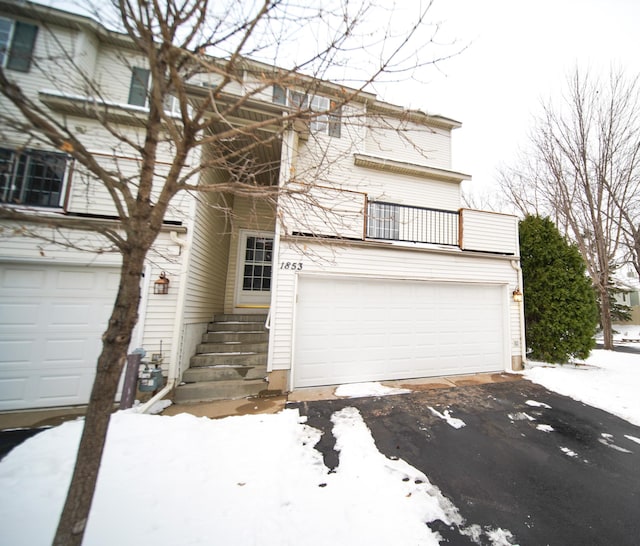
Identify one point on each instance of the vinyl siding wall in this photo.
(206, 273)
(489, 232)
(408, 142)
(375, 261)
(329, 162)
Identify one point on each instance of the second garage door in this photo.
(355, 329)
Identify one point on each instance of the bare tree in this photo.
(581, 168)
(178, 40)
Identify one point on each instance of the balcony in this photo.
(340, 214)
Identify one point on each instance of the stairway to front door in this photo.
(231, 361)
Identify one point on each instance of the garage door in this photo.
(51, 322)
(351, 330)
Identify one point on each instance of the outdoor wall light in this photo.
(517, 295)
(161, 285)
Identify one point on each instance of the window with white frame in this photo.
(17, 40)
(32, 177)
(327, 121)
(139, 92)
(139, 87)
(382, 221)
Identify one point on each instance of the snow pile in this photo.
(359, 390)
(446, 416)
(626, 333)
(240, 480)
(607, 380)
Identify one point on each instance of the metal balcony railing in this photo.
(395, 222)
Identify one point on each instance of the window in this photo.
(382, 221)
(16, 44)
(139, 86)
(328, 123)
(257, 264)
(31, 177)
(139, 92)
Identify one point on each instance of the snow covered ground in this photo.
(257, 480)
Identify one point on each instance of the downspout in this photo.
(515, 264)
(172, 375)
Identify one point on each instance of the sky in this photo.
(157, 485)
(518, 53)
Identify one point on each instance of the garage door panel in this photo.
(396, 330)
(51, 322)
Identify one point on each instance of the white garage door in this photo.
(352, 330)
(51, 320)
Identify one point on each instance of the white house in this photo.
(370, 270)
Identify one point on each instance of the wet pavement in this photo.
(550, 470)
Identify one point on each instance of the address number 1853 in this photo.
(294, 266)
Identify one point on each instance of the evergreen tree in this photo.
(561, 313)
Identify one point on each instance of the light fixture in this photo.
(161, 285)
(517, 295)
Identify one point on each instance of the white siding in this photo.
(408, 142)
(376, 261)
(489, 232)
(113, 72)
(320, 210)
(25, 242)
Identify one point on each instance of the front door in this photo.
(255, 255)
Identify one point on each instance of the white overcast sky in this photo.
(520, 52)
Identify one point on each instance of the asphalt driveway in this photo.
(550, 470)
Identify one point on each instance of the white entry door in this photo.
(350, 330)
(52, 318)
(253, 282)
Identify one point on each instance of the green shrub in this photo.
(561, 312)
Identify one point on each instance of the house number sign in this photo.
(293, 266)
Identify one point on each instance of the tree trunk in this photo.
(115, 343)
(605, 319)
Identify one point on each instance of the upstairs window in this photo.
(16, 44)
(328, 123)
(32, 177)
(139, 92)
(139, 87)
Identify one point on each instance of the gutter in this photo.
(523, 343)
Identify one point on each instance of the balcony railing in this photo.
(322, 211)
(394, 222)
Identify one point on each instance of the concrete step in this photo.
(240, 326)
(232, 347)
(243, 337)
(223, 373)
(231, 359)
(240, 318)
(218, 390)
